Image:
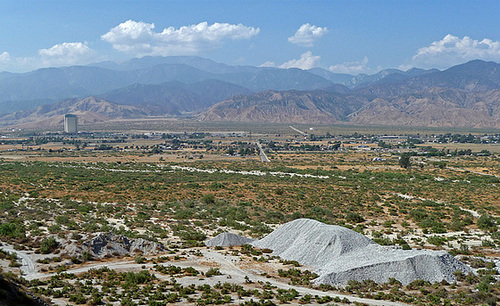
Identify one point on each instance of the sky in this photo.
(352, 36)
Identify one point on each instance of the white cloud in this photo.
(4, 57)
(403, 67)
(306, 61)
(452, 50)
(4, 60)
(66, 54)
(351, 67)
(140, 39)
(307, 34)
(268, 64)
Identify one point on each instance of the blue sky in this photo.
(342, 36)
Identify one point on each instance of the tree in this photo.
(404, 160)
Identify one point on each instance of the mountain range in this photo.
(466, 95)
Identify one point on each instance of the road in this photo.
(298, 131)
(232, 273)
(238, 276)
(28, 265)
(263, 156)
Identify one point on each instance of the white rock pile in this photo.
(339, 254)
(228, 239)
(108, 244)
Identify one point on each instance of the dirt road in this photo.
(228, 265)
(28, 265)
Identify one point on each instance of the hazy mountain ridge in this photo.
(175, 98)
(88, 110)
(437, 107)
(365, 80)
(466, 95)
(289, 106)
(54, 84)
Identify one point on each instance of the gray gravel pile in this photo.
(228, 239)
(339, 254)
(108, 244)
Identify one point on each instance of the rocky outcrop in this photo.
(108, 244)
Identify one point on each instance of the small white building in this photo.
(70, 123)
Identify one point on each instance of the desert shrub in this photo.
(208, 198)
(298, 277)
(354, 217)
(486, 222)
(12, 229)
(418, 214)
(260, 228)
(488, 244)
(213, 271)
(141, 277)
(188, 234)
(436, 240)
(140, 259)
(48, 245)
(274, 217)
(384, 241)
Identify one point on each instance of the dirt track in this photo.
(228, 265)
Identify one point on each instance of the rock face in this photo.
(108, 244)
(228, 239)
(339, 254)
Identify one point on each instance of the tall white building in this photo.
(70, 123)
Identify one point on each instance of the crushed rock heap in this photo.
(339, 254)
(108, 244)
(228, 239)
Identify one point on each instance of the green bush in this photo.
(12, 229)
(48, 245)
(486, 222)
(436, 240)
(213, 271)
(208, 198)
(354, 217)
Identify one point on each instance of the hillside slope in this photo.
(319, 107)
(88, 110)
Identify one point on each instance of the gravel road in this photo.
(28, 265)
(231, 273)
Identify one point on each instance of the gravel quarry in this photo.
(339, 255)
(228, 239)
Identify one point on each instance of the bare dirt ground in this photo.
(231, 267)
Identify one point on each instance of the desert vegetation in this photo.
(179, 190)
